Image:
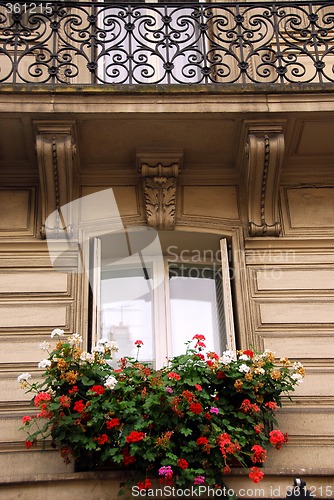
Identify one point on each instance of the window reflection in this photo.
(196, 308)
(126, 310)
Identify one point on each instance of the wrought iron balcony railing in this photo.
(166, 43)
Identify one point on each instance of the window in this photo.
(176, 288)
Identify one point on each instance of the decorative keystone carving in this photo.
(265, 149)
(56, 150)
(159, 180)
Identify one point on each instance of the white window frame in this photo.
(161, 301)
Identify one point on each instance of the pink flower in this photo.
(199, 480)
(214, 410)
(166, 471)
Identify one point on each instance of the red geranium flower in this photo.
(173, 375)
(198, 337)
(127, 458)
(182, 463)
(259, 454)
(102, 439)
(79, 406)
(202, 441)
(259, 428)
(196, 408)
(29, 444)
(41, 397)
(277, 438)
(255, 474)
(212, 355)
(200, 356)
(144, 485)
(113, 422)
(73, 390)
(135, 436)
(249, 353)
(98, 389)
(271, 405)
(139, 343)
(65, 401)
(198, 387)
(227, 469)
(26, 419)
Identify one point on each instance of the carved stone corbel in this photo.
(55, 148)
(159, 182)
(265, 149)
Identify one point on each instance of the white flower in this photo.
(57, 332)
(103, 342)
(87, 356)
(113, 345)
(45, 363)
(244, 357)
(98, 348)
(259, 371)
(74, 339)
(45, 346)
(110, 382)
(106, 344)
(244, 368)
(24, 377)
(227, 357)
(297, 377)
(297, 365)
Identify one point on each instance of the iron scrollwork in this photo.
(83, 42)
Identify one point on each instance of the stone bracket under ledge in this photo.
(56, 150)
(264, 153)
(159, 170)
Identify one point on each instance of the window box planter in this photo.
(188, 423)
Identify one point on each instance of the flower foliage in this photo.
(186, 423)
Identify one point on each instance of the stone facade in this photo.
(256, 168)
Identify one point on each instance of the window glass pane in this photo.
(196, 306)
(126, 309)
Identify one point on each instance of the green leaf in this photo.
(86, 381)
(185, 431)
